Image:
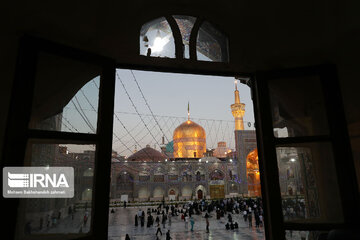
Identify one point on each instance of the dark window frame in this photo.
(17, 132)
(338, 137)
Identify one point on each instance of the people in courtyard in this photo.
(86, 215)
(142, 220)
(127, 237)
(192, 222)
(186, 221)
(207, 225)
(158, 230)
(169, 218)
(157, 220)
(250, 219)
(148, 221)
(168, 237)
(163, 220)
(229, 212)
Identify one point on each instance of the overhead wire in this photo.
(83, 117)
(133, 104)
(123, 125)
(148, 106)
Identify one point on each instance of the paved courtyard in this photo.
(122, 222)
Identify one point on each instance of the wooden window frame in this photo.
(17, 132)
(337, 137)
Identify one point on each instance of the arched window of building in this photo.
(173, 174)
(187, 176)
(185, 24)
(183, 37)
(200, 175)
(144, 175)
(211, 44)
(159, 175)
(156, 39)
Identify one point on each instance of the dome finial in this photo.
(188, 110)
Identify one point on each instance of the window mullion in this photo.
(179, 46)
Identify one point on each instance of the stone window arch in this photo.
(183, 37)
(200, 174)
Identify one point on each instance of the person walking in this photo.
(207, 225)
(250, 219)
(168, 237)
(257, 220)
(245, 215)
(157, 220)
(186, 222)
(85, 219)
(136, 220)
(163, 221)
(127, 237)
(148, 221)
(192, 222)
(169, 219)
(158, 230)
(302, 235)
(142, 220)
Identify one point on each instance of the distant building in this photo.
(191, 173)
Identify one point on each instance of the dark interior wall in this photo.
(262, 35)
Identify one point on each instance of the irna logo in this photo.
(38, 182)
(16, 180)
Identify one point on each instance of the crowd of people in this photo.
(293, 208)
(52, 220)
(163, 214)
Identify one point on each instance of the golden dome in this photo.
(189, 140)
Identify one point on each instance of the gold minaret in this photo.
(238, 110)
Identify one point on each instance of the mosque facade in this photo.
(185, 169)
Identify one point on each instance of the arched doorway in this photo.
(200, 194)
(253, 174)
(172, 194)
(86, 194)
(217, 184)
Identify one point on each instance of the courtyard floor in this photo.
(122, 222)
